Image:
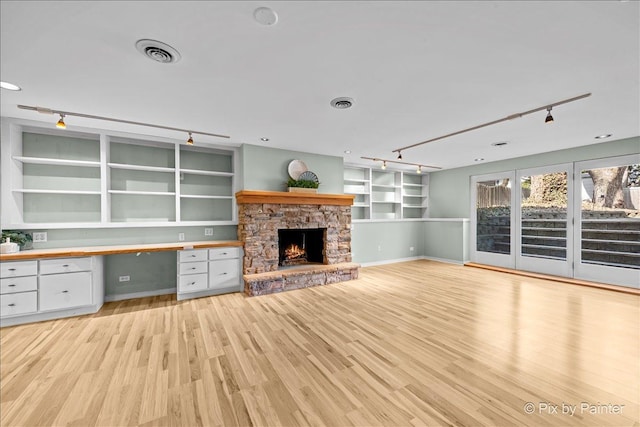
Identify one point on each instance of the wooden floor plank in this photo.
(411, 344)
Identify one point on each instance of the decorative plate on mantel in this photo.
(297, 168)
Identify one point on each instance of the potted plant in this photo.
(302, 185)
(20, 237)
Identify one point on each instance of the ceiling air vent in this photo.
(158, 51)
(342, 103)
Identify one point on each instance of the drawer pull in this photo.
(12, 269)
(12, 285)
(193, 268)
(192, 256)
(12, 305)
(65, 265)
(65, 292)
(222, 274)
(192, 283)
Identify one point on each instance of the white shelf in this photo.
(57, 162)
(414, 206)
(413, 195)
(387, 202)
(385, 186)
(361, 181)
(34, 191)
(197, 196)
(140, 167)
(360, 205)
(143, 193)
(412, 185)
(201, 172)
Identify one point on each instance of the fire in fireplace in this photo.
(301, 246)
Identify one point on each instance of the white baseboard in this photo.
(415, 258)
(388, 261)
(120, 297)
(448, 261)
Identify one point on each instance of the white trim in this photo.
(446, 260)
(365, 221)
(133, 295)
(388, 261)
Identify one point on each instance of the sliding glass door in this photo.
(544, 234)
(608, 240)
(492, 227)
(578, 220)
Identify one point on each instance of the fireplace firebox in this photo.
(301, 246)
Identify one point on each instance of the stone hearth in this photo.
(262, 213)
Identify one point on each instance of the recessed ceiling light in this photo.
(347, 151)
(479, 159)
(10, 86)
(606, 135)
(265, 16)
(264, 139)
(500, 144)
(342, 103)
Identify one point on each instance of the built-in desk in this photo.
(115, 249)
(45, 284)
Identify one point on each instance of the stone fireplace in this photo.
(294, 240)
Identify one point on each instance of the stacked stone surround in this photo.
(258, 225)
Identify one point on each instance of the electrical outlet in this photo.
(411, 249)
(379, 248)
(181, 237)
(39, 237)
(124, 278)
(208, 231)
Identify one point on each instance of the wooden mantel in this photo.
(293, 198)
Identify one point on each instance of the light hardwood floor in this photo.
(417, 343)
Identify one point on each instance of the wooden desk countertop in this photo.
(115, 249)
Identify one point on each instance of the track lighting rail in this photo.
(504, 119)
(111, 119)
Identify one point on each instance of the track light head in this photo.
(419, 169)
(190, 140)
(549, 118)
(400, 155)
(384, 165)
(61, 124)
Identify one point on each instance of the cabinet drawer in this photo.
(223, 273)
(190, 256)
(20, 303)
(192, 283)
(18, 268)
(60, 291)
(11, 285)
(192, 267)
(64, 265)
(223, 253)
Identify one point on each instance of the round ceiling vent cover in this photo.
(342, 103)
(158, 51)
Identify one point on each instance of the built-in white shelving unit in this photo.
(386, 194)
(94, 178)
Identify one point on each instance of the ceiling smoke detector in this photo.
(158, 51)
(342, 103)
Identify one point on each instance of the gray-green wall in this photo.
(373, 242)
(265, 169)
(449, 189)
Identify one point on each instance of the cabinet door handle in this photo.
(12, 285)
(12, 269)
(193, 268)
(192, 283)
(65, 265)
(222, 274)
(65, 292)
(224, 253)
(12, 305)
(193, 256)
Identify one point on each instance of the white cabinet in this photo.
(47, 289)
(204, 272)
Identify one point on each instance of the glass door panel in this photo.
(544, 219)
(608, 245)
(492, 220)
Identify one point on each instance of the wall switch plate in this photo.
(39, 237)
(208, 231)
(181, 237)
(124, 278)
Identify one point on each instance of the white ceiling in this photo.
(416, 70)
